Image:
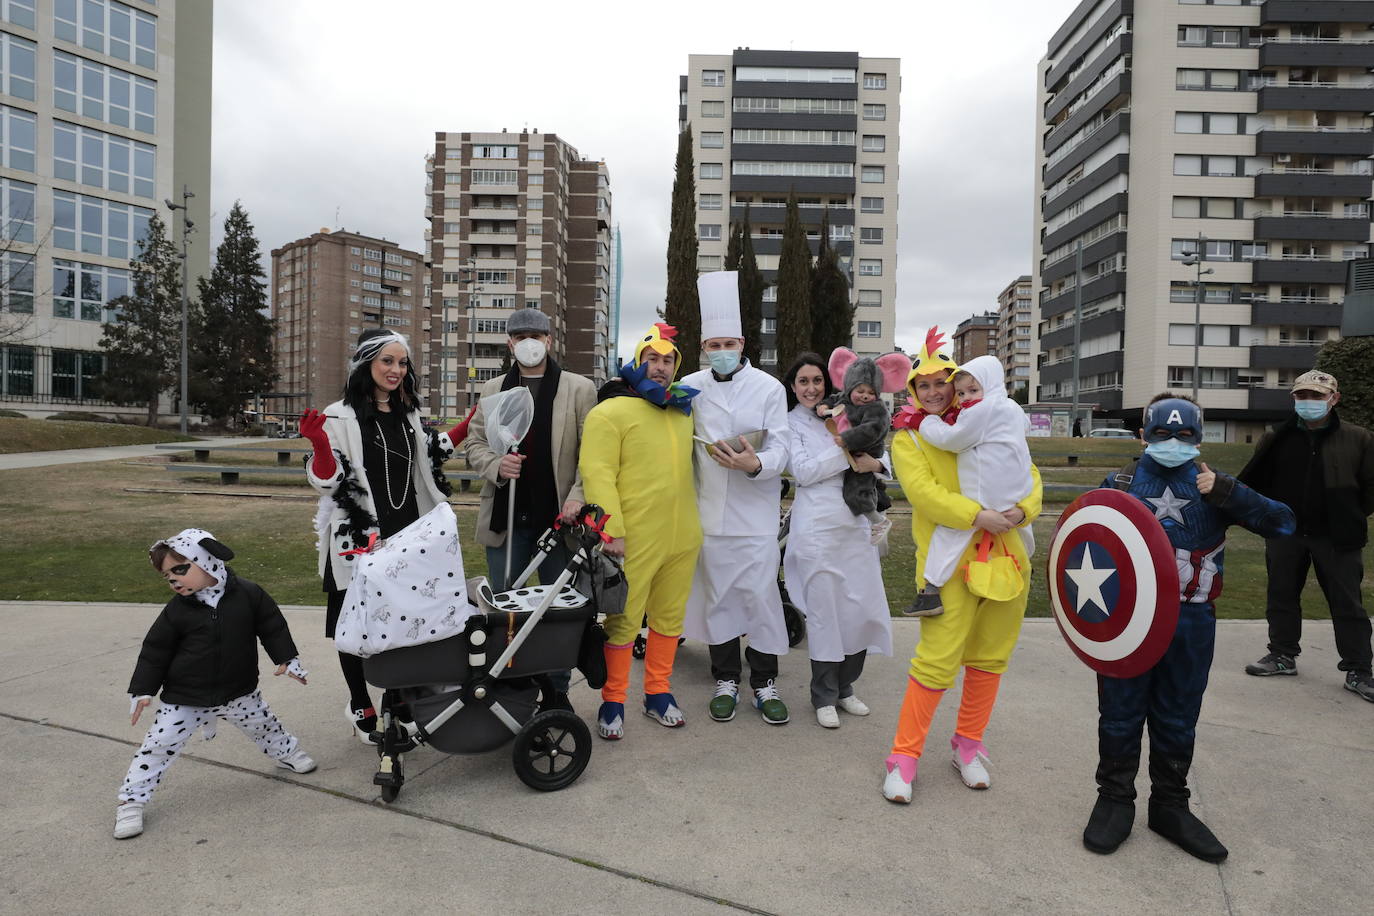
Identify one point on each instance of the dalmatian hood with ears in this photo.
(200, 547)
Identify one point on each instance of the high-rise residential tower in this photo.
(1245, 123)
(822, 124)
(327, 289)
(1015, 331)
(104, 114)
(516, 220)
(976, 335)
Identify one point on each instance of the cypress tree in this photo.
(232, 354)
(832, 314)
(1349, 360)
(681, 306)
(143, 344)
(732, 247)
(794, 287)
(751, 287)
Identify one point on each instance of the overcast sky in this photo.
(325, 107)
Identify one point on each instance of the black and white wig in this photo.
(359, 388)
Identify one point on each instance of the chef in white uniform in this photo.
(735, 591)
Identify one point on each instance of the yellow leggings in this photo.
(659, 585)
(973, 632)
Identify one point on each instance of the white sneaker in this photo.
(854, 706)
(974, 773)
(827, 717)
(128, 820)
(298, 761)
(896, 788)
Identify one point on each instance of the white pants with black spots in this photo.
(174, 725)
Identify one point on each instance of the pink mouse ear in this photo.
(895, 368)
(840, 361)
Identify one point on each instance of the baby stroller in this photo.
(474, 692)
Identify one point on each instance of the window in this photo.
(103, 227)
(870, 297)
(796, 74)
(870, 205)
(875, 80)
(487, 151)
(1187, 207)
(875, 143)
(533, 279)
(870, 329)
(93, 157)
(1223, 123)
(16, 282)
(535, 179)
(19, 12)
(1192, 35)
(536, 154)
(712, 170)
(101, 92)
(1187, 165)
(709, 232)
(1190, 79)
(108, 27)
(770, 294)
(86, 291)
(1188, 122)
(870, 236)
(1223, 79)
(792, 136)
(17, 62)
(354, 250)
(1182, 335)
(1219, 207)
(713, 77)
(372, 270)
(1225, 38)
(710, 202)
(494, 176)
(535, 203)
(768, 356)
(875, 112)
(870, 267)
(17, 136)
(372, 254)
(708, 262)
(489, 325)
(797, 169)
(16, 379)
(874, 174)
(1221, 166)
(712, 139)
(712, 108)
(795, 106)
(1254, 251)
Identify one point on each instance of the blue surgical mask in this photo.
(723, 362)
(1311, 410)
(1171, 452)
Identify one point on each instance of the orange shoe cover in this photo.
(913, 724)
(617, 673)
(975, 706)
(658, 662)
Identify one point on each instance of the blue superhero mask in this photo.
(1171, 452)
(636, 375)
(1173, 418)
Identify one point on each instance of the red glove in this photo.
(460, 432)
(909, 417)
(950, 415)
(322, 464)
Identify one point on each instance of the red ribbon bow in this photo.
(371, 546)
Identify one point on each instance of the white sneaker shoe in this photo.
(974, 773)
(128, 820)
(298, 761)
(854, 706)
(896, 787)
(827, 717)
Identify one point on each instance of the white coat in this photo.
(331, 521)
(833, 573)
(734, 592)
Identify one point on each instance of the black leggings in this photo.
(351, 665)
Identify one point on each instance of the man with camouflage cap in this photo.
(1324, 469)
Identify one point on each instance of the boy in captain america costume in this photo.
(1194, 504)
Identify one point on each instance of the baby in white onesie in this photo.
(989, 437)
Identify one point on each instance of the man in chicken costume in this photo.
(974, 633)
(636, 463)
(735, 592)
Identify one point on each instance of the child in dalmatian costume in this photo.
(202, 653)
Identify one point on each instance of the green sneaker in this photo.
(767, 701)
(723, 703)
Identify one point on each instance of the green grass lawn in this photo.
(24, 435)
(84, 537)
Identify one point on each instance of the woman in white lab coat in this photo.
(833, 572)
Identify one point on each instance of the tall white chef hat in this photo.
(719, 294)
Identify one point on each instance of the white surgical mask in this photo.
(530, 351)
(723, 362)
(1311, 410)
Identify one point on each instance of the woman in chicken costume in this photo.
(975, 633)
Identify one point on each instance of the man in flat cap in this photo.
(1323, 469)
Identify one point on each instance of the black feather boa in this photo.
(436, 463)
(346, 498)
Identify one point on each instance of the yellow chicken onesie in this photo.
(636, 463)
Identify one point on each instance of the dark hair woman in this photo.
(377, 470)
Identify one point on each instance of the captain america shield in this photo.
(1113, 583)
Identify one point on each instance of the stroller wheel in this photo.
(552, 750)
(796, 623)
(641, 646)
(389, 793)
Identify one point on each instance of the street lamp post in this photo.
(186, 227)
(1077, 326)
(1194, 259)
(470, 383)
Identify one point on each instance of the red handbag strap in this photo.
(985, 547)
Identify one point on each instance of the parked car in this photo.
(1107, 433)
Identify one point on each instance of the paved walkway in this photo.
(116, 452)
(710, 818)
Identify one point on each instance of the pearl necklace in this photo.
(386, 469)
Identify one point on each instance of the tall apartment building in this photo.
(327, 289)
(516, 220)
(1246, 123)
(976, 335)
(104, 114)
(823, 124)
(1015, 332)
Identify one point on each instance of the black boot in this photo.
(1114, 813)
(1169, 814)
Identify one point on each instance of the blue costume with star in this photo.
(1168, 697)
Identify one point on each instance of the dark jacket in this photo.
(203, 656)
(1347, 465)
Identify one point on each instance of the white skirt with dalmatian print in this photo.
(409, 591)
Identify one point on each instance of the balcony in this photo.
(1114, 90)
(1317, 52)
(1284, 356)
(775, 213)
(1298, 271)
(1296, 310)
(1097, 288)
(1316, 97)
(1318, 141)
(1311, 183)
(1314, 226)
(1356, 11)
(1088, 365)
(1095, 326)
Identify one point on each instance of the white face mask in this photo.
(530, 351)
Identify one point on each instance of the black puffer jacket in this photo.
(203, 656)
